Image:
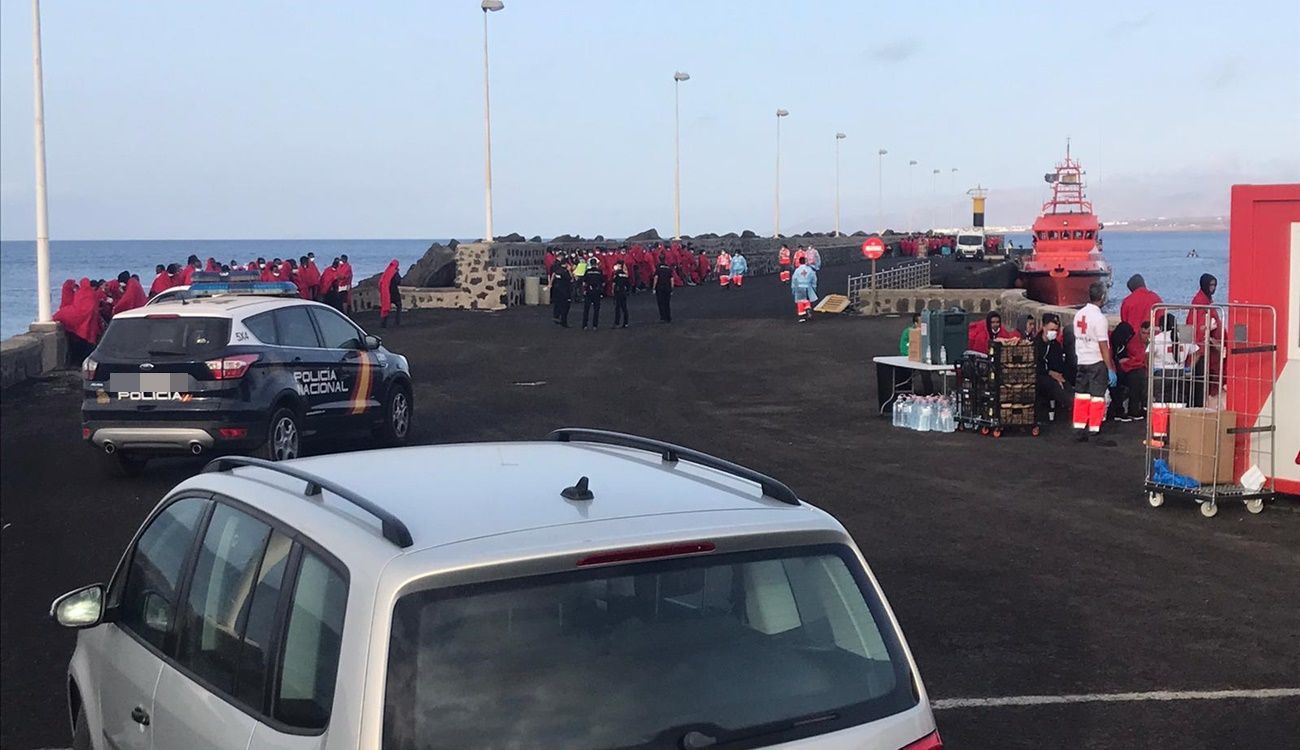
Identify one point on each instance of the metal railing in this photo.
(912, 275)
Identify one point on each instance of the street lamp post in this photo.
(776, 206)
(838, 137)
(678, 77)
(487, 5)
(880, 188)
(42, 211)
(911, 196)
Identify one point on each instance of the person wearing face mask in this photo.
(1055, 389)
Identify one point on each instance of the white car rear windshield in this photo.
(737, 648)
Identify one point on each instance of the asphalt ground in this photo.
(1017, 566)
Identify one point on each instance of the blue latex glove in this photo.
(1112, 378)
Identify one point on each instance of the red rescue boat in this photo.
(1067, 255)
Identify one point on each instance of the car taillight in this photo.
(88, 367)
(232, 367)
(929, 742)
(646, 553)
(231, 433)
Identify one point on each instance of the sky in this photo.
(228, 119)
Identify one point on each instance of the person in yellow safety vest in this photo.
(783, 258)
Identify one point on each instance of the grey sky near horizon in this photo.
(246, 119)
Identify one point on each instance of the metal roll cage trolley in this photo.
(1216, 383)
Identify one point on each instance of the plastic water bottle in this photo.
(898, 410)
(946, 421)
(925, 415)
(943, 355)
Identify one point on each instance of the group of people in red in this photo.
(86, 306)
(689, 268)
(332, 286)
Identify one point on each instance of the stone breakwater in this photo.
(481, 276)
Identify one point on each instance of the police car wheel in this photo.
(121, 465)
(398, 410)
(283, 438)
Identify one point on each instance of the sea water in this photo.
(1161, 257)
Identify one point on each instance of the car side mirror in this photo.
(82, 608)
(370, 343)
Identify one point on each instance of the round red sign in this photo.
(873, 248)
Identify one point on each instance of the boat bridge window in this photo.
(1051, 234)
(1088, 234)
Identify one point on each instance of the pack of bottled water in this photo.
(925, 413)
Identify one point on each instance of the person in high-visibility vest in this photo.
(724, 268)
(783, 260)
(739, 267)
(804, 287)
(799, 254)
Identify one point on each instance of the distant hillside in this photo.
(1168, 224)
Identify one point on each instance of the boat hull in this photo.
(1062, 288)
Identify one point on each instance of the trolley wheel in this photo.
(1209, 509)
(997, 432)
(1156, 499)
(1035, 430)
(984, 430)
(1255, 505)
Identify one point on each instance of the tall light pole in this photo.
(911, 196)
(838, 137)
(678, 77)
(934, 193)
(42, 211)
(487, 5)
(952, 214)
(880, 188)
(776, 206)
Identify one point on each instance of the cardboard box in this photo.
(1193, 443)
(914, 344)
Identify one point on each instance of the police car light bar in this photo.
(211, 283)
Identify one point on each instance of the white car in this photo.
(594, 590)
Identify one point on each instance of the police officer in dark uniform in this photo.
(593, 289)
(561, 292)
(622, 288)
(663, 286)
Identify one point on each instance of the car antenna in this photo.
(578, 491)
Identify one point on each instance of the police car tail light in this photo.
(233, 367)
(88, 367)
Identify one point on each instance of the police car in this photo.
(237, 373)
